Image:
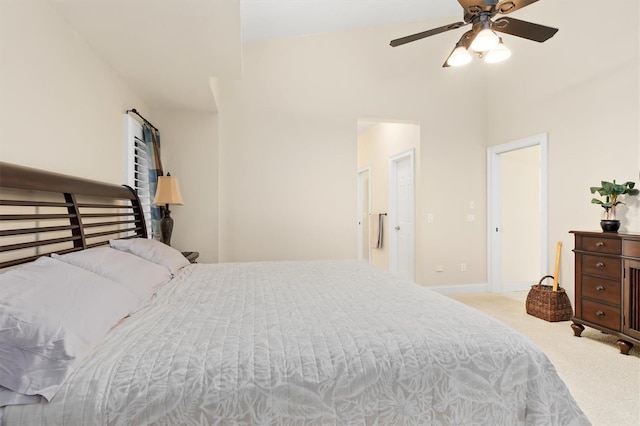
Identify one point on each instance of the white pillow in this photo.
(52, 314)
(154, 251)
(140, 276)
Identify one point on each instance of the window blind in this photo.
(137, 167)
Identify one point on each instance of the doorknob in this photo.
(398, 228)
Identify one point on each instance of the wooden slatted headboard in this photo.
(44, 212)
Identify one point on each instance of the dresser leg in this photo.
(624, 346)
(577, 329)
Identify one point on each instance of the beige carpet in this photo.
(605, 383)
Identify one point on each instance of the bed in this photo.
(289, 342)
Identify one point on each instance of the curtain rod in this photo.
(144, 119)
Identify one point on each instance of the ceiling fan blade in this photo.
(508, 6)
(418, 36)
(484, 4)
(473, 8)
(524, 29)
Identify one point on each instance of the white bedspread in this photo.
(307, 343)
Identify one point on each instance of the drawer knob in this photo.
(600, 288)
(600, 265)
(599, 244)
(600, 313)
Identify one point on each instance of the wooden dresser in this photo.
(607, 285)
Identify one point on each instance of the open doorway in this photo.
(388, 152)
(517, 216)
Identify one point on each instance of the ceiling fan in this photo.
(482, 37)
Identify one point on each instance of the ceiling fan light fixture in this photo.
(497, 54)
(485, 40)
(483, 37)
(458, 57)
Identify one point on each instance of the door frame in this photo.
(361, 193)
(393, 202)
(494, 219)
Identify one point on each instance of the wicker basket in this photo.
(549, 305)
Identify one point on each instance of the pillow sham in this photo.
(51, 316)
(140, 276)
(153, 251)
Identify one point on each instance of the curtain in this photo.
(151, 138)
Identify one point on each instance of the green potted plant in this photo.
(611, 191)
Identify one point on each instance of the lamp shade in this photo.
(168, 191)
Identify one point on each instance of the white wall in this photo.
(288, 145)
(61, 109)
(61, 106)
(582, 88)
(189, 142)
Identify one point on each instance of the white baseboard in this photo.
(480, 288)
(506, 287)
(461, 288)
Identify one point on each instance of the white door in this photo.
(520, 214)
(402, 215)
(364, 214)
(517, 216)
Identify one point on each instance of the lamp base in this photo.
(166, 226)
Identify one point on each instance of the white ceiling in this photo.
(167, 50)
(267, 19)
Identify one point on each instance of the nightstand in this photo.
(191, 256)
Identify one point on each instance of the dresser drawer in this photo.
(601, 314)
(600, 245)
(602, 266)
(601, 289)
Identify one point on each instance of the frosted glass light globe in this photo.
(460, 56)
(498, 54)
(484, 41)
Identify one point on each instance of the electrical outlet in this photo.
(439, 268)
(430, 217)
(471, 218)
(463, 267)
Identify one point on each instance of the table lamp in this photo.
(167, 192)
